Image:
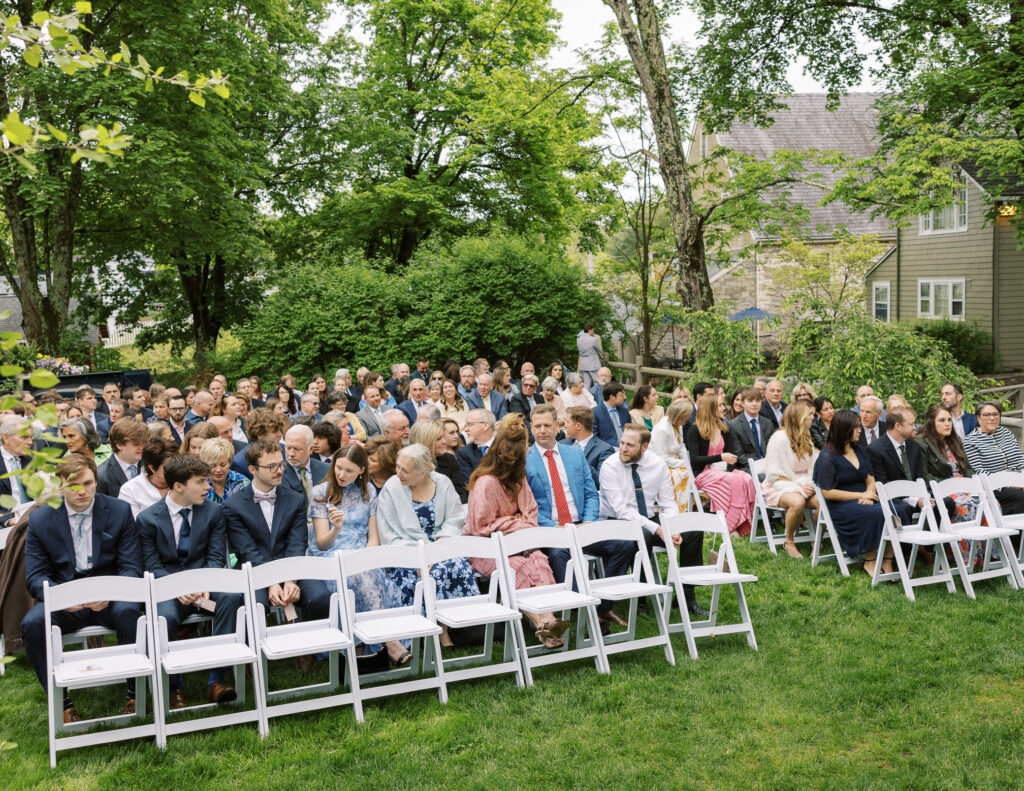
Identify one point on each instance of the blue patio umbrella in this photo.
(750, 314)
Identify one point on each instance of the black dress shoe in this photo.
(695, 609)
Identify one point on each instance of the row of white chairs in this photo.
(153, 658)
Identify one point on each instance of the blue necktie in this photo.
(183, 536)
(638, 487)
(757, 439)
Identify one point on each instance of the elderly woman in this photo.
(431, 435)
(224, 482)
(550, 387)
(196, 436)
(434, 392)
(349, 425)
(645, 408)
(803, 392)
(667, 441)
(575, 394)
(419, 504)
(789, 459)
(82, 438)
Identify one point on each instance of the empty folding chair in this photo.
(557, 597)
(208, 653)
(923, 533)
(998, 480)
(290, 640)
(981, 528)
(763, 514)
(628, 587)
(485, 609)
(96, 667)
(416, 622)
(714, 576)
(823, 526)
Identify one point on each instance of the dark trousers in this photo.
(617, 556)
(1011, 500)
(314, 600)
(224, 617)
(119, 616)
(691, 552)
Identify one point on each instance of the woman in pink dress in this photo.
(499, 499)
(730, 491)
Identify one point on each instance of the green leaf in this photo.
(42, 379)
(57, 133)
(7, 501)
(10, 370)
(23, 161)
(197, 98)
(47, 413)
(83, 7)
(8, 402)
(222, 91)
(8, 745)
(31, 56)
(16, 131)
(40, 17)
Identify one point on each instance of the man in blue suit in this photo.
(952, 397)
(302, 472)
(484, 398)
(561, 481)
(417, 398)
(184, 531)
(611, 415)
(89, 535)
(267, 521)
(180, 424)
(579, 431)
(86, 398)
(480, 433)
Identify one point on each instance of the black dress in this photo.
(448, 466)
(859, 526)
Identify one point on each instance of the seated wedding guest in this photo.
(501, 499)
(993, 448)
(144, 490)
(117, 408)
(302, 472)
(374, 379)
(85, 397)
(484, 398)
(88, 535)
(736, 405)
(645, 408)
(556, 372)
(201, 406)
(896, 456)
(434, 392)
(396, 427)
(81, 437)
(217, 453)
(341, 509)
(452, 435)
(668, 442)
(287, 396)
(952, 397)
(278, 407)
(178, 423)
(419, 504)
(381, 455)
(196, 436)
(843, 471)
(347, 423)
(189, 392)
(575, 394)
(560, 479)
(309, 406)
(579, 427)
(160, 430)
(161, 410)
(730, 491)
(182, 531)
(15, 444)
(552, 398)
(127, 440)
(682, 392)
(431, 435)
(227, 406)
(371, 414)
(523, 402)
(803, 392)
(480, 434)
(824, 411)
(326, 440)
(871, 427)
(773, 406)
(417, 398)
(611, 414)
(789, 462)
(263, 423)
(256, 392)
(749, 433)
(502, 381)
(266, 521)
(452, 405)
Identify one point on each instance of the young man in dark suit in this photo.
(86, 398)
(579, 427)
(185, 531)
(749, 433)
(89, 535)
(611, 415)
(179, 422)
(128, 438)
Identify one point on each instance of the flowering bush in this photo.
(59, 365)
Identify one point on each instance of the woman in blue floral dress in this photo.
(342, 512)
(224, 482)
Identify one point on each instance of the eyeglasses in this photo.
(989, 414)
(177, 408)
(272, 467)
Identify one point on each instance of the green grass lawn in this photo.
(851, 688)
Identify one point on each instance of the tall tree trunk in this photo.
(643, 40)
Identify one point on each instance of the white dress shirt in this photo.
(13, 463)
(176, 519)
(958, 424)
(83, 543)
(564, 477)
(267, 507)
(618, 495)
(139, 493)
(131, 471)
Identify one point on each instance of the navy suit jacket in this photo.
(6, 485)
(408, 407)
(496, 402)
(581, 484)
(603, 427)
(766, 411)
(468, 457)
(247, 529)
(239, 465)
(596, 452)
(207, 547)
(102, 425)
(189, 422)
(317, 471)
(886, 464)
(970, 422)
(50, 549)
(110, 477)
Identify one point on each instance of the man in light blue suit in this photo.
(484, 398)
(562, 484)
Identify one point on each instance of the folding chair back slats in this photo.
(183, 583)
(90, 589)
(382, 557)
(297, 568)
(536, 538)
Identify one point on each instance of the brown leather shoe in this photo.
(129, 708)
(221, 693)
(304, 663)
(612, 617)
(177, 699)
(71, 715)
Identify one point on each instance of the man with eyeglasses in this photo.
(267, 521)
(480, 433)
(992, 448)
(177, 408)
(525, 400)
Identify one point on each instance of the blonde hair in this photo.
(679, 411)
(797, 433)
(213, 450)
(426, 433)
(708, 419)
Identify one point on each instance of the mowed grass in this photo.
(852, 688)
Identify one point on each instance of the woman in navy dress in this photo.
(843, 471)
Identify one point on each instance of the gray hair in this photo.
(335, 416)
(301, 431)
(877, 400)
(84, 429)
(12, 424)
(309, 396)
(482, 374)
(430, 412)
(762, 380)
(341, 372)
(420, 457)
(550, 383)
(391, 413)
(482, 414)
(571, 379)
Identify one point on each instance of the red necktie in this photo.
(561, 504)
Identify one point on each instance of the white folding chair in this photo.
(558, 597)
(763, 514)
(289, 640)
(486, 609)
(207, 653)
(631, 587)
(922, 533)
(999, 480)
(96, 667)
(714, 576)
(824, 525)
(416, 622)
(693, 504)
(981, 528)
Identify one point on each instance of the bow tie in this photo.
(260, 497)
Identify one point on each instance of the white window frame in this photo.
(875, 285)
(949, 283)
(959, 216)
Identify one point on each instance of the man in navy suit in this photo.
(579, 428)
(749, 431)
(86, 398)
(15, 441)
(267, 521)
(604, 376)
(417, 398)
(611, 415)
(872, 427)
(485, 398)
(773, 406)
(952, 397)
(480, 432)
(563, 485)
(895, 456)
(302, 472)
(523, 401)
(88, 535)
(184, 531)
(128, 438)
(178, 421)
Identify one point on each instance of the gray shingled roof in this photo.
(1003, 186)
(808, 124)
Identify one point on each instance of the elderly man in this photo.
(871, 427)
(201, 406)
(526, 369)
(480, 433)
(15, 442)
(773, 406)
(523, 401)
(396, 427)
(417, 398)
(604, 376)
(485, 398)
(866, 391)
(226, 430)
(992, 448)
(399, 374)
(301, 472)
(309, 405)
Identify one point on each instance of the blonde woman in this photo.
(789, 460)
(667, 441)
(803, 392)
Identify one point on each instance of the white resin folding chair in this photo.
(207, 653)
(557, 597)
(999, 480)
(763, 514)
(714, 576)
(416, 622)
(486, 609)
(981, 528)
(823, 526)
(332, 636)
(628, 587)
(922, 533)
(693, 504)
(97, 667)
